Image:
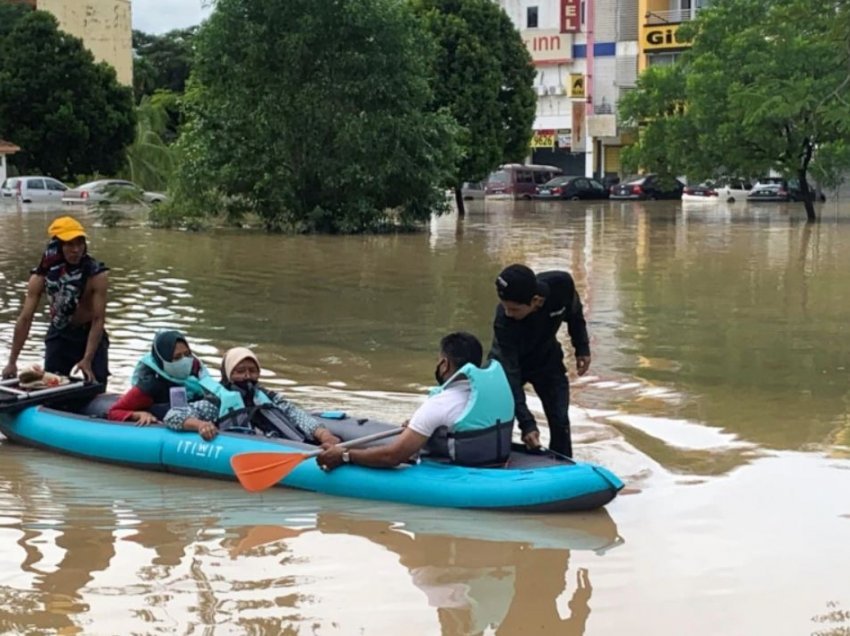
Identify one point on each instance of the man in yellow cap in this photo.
(76, 287)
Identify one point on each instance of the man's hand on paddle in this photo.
(330, 457)
(10, 371)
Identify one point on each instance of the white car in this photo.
(33, 189)
(726, 190)
(97, 191)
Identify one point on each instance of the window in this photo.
(531, 18)
(55, 185)
(662, 59)
(542, 177)
(35, 184)
(524, 176)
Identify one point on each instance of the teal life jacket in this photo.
(264, 415)
(481, 435)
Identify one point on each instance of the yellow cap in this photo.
(66, 228)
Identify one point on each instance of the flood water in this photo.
(719, 391)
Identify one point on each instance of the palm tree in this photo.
(150, 160)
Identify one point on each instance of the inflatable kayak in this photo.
(530, 482)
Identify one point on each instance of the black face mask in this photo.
(245, 386)
(437, 375)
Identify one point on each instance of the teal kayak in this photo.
(530, 482)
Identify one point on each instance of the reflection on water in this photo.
(719, 390)
(268, 568)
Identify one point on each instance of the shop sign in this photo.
(577, 85)
(570, 22)
(660, 38)
(547, 45)
(543, 139)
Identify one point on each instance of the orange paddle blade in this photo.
(258, 471)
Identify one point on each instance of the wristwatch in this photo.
(346, 457)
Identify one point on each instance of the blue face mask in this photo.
(179, 369)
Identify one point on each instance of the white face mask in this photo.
(179, 369)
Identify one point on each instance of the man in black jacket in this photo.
(531, 310)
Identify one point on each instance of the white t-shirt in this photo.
(442, 409)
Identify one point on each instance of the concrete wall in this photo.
(105, 27)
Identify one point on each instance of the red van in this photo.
(518, 180)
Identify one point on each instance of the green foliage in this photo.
(10, 13)
(162, 62)
(151, 162)
(484, 78)
(312, 114)
(764, 87)
(69, 115)
(110, 210)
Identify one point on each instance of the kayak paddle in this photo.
(261, 470)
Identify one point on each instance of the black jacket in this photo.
(530, 347)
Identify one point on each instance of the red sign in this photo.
(570, 19)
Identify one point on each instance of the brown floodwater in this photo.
(719, 391)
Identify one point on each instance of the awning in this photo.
(7, 147)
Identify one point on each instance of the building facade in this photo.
(104, 26)
(659, 26)
(586, 55)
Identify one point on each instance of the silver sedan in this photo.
(116, 190)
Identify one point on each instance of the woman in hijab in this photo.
(169, 364)
(242, 403)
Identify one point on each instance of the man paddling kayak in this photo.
(467, 419)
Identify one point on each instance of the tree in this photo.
(484, 78)
(765, 86)
(162, 62)
(10, 13)
(150, 160)
(312, 114)
(69, 115)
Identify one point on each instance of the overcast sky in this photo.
(159, 16)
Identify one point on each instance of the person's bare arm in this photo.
(407, 444)
(35, 288)
(99, 285)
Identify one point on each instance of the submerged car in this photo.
(33, 189)
(573, 188)
(647, 187)
(769, 192)
(727, 190)
(472, 190)
(111, 190)
(789, 190)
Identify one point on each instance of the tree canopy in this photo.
(765, 86)
(313, 114)
(484, 78)
(10, 13)
(162, 62)
(69, 115)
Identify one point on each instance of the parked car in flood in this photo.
(472, 190)
(769, 192)
(519, 181)
(33, 189)
(727, 190)
(789, 190)
(647, 187)
(107, 189)
(572, 188)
